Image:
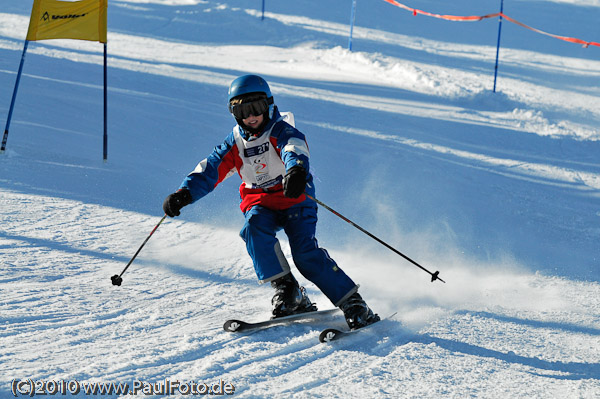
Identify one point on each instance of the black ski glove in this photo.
(174, 202)
(294, 182)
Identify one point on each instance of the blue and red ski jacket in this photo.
(260, 161)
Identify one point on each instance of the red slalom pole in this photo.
(434, 276)
(116, 279)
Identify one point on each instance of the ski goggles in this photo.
(255, 107)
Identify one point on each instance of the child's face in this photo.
(252, 121)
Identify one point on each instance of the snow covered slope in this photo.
(500, 192)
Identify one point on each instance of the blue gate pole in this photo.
(352, 18)
(105, 105)
(498, 45)
(263, 10)
(14, 97)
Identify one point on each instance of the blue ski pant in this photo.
(314, 263)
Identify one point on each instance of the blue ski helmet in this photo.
(248, 84)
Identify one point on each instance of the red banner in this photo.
(471, 18)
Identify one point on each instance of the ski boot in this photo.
(289, 297)
(357, 313)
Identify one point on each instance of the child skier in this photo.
(272, 158)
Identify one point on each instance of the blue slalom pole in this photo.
(498, 45)
(14, 97)
(263, 11)
(105, 106)
(352, 18)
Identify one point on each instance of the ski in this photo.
(333, 334)
(240, 326)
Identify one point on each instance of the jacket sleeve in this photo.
(218, 166)
(293, 147)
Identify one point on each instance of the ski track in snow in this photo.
(496, 329)
(159, 323)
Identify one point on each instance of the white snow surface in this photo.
(500, 192)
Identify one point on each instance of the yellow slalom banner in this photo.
(56, 19)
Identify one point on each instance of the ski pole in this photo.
(116, 279)
(434, 276)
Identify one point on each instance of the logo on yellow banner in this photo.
(46, 16)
